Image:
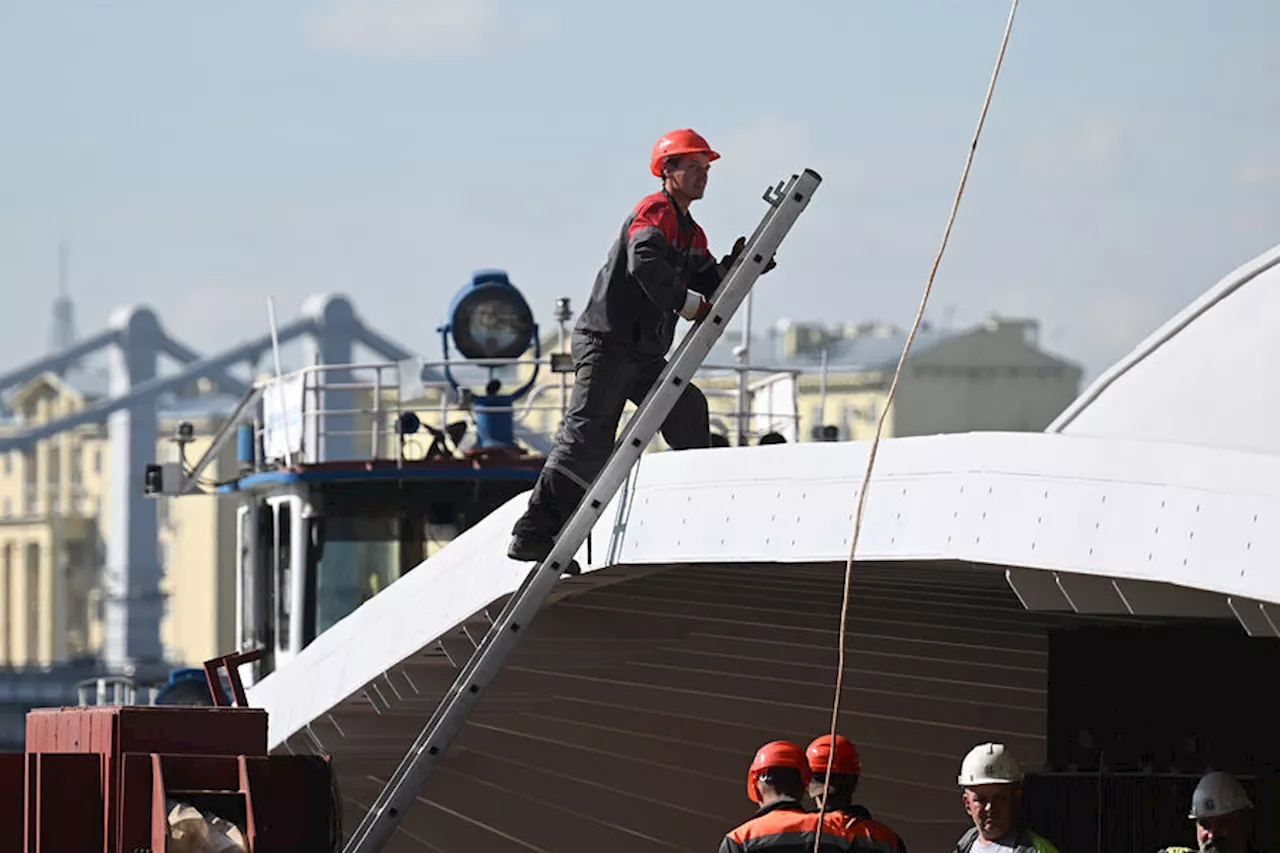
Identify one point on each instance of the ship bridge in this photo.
(1101, 597)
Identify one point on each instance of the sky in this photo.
(199, 158)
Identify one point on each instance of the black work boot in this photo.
(529, 546)
(535, 548)
(532, 536)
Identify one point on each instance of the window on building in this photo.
(33, 603)
(80, 579)
(7, 637)
(29, 482)
(54, 466)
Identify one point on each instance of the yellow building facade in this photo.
(53, 522)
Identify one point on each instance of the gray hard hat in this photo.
(1217, 794)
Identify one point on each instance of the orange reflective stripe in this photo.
(868, 834)
(873, 829)
(786, 829)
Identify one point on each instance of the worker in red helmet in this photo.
(776, 783)
(658, 270)
(836, 766)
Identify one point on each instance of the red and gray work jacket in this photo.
(659, 258)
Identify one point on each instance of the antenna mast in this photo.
(63, 333)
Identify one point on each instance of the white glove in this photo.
(692, 305)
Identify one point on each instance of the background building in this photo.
(52, 528)
(991, 376)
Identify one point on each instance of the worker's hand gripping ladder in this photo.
(786, 204)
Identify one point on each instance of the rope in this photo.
(893, 388)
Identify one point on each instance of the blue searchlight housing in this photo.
(489, 319)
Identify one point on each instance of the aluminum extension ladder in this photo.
(380, 822)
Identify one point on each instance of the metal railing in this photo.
(36, 686)
(372, 408)
(60, 684)
(111, 690)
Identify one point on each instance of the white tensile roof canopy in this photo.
(1206, 377)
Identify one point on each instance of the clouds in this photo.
(426, 30)
(1090, 151)
(770, 146)
(1258, 172)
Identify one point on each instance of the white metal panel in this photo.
(282, 408)
(1206, 377)
(774, 406)
(1095, 509)
(1191, 516)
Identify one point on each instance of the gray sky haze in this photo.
(203, 156)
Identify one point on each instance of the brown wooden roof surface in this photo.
(628, 716)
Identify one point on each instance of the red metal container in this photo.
(114, 729)
(12, 785)
(111, 732)
(101, 779)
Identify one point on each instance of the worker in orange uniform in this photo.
(776, 782)
(844, 765)
(658, 270)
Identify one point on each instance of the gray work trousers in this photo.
(606, 375)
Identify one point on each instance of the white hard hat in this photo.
(989, 764)
(1217, 794)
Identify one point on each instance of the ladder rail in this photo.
(786, 203)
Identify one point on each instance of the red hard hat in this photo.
(778, 753)
(675, 143)
(842, 759)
